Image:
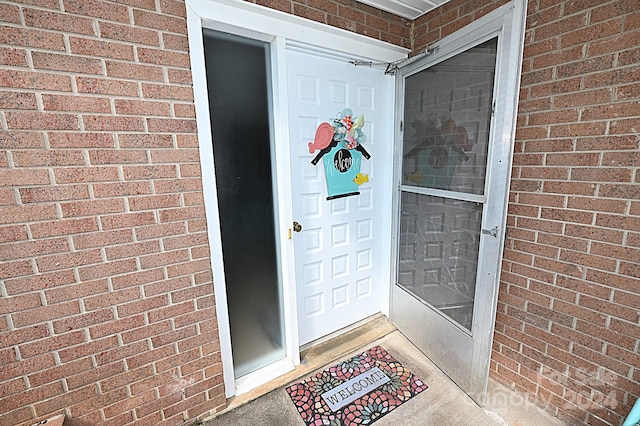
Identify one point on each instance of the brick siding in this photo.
(567, 329)
(106, 297)
(348, 15)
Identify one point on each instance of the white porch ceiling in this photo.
(409, 9)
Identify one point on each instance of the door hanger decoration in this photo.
(340, 148)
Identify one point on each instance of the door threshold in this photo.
(262, 376)
(322, 353)
(335, 336)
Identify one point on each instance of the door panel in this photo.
(457, 108)
(339, 271)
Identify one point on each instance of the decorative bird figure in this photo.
(324, 136)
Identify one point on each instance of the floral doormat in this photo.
(313, 396)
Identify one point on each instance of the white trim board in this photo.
(279, 28)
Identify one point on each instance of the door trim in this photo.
(502, 135)
(261, 23)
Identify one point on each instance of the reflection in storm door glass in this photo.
(447, 116)
(445, 147)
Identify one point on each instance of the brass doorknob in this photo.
(296, 226)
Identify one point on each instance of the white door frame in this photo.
(261, 23)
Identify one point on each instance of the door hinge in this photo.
(493, 107)
(401, 125)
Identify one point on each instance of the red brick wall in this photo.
(348, 15)
(567, 331)
(106, 304)
(106, 296)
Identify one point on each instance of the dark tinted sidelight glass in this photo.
(238, 79)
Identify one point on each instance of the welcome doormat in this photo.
(357, 391)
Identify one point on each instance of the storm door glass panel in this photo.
(448, 109)
(447, 116)
(438, 257)
(238, 80)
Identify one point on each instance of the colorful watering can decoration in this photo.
(340, 148)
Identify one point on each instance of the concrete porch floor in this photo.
(443, 403)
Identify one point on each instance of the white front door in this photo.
(342, 251)
(457, 107)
